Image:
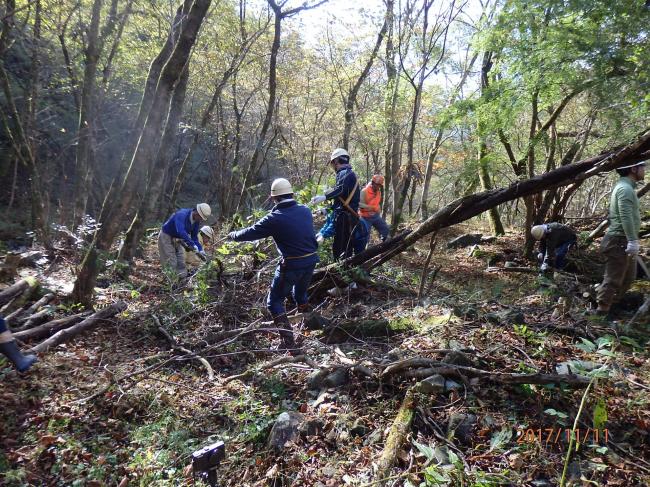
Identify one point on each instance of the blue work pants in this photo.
(285, 282)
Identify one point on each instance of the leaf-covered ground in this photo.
(117, 406)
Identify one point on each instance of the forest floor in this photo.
(118, 406)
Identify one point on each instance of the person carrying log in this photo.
(9, 349)
(369, 207)
(206, 234)
(349, 231)
(291, 226)
(555, 241)
(620, 245)
(178, 233)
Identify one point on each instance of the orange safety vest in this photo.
(372, 199)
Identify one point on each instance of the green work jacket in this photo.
(624, 214)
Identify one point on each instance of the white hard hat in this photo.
(642, 163)
(204, 210)
(338, 153)
(207, 231)
(281, 186)
(538, 231)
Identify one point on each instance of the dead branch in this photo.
(528, 270)
(460, 371)
(397, 434)
(22, 315)
(46, 329)
(270, 365)
(90, 322)
(175, 346)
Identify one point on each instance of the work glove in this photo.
(540, 257)
(317, 199)
(231, 236)
(633, 247)
(322, 211)
(202, 255)
(195, 249)
(319, 238)
(544, 267)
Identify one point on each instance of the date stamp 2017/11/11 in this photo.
(554, 436)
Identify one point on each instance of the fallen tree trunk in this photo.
(472, 205)
(46, 329)
(67, 334)
(397, 435)
(599, 231)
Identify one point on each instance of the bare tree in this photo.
(431, 39)
(120, 198)
(255, 161)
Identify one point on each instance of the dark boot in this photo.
(304, 308)
(286, 334)
(11, 351)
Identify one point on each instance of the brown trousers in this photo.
(620, 270)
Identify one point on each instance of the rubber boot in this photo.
(286, 334)
(11, 351)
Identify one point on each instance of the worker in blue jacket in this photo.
(292, 228)
(181, 231)
(350, 233)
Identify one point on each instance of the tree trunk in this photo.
(253, 166)
(86, 116)
(156, 171)
(352, 95)
(392, 85)
(18, 127)
(433, 154)
(410, 144)
(119, 200)
(483, 170)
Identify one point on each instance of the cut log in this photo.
(22, 315)
(67, 334)
(19, 301)
(46, 329)
(397, 435)
(40, 303)
(16, 289)
(38, 318)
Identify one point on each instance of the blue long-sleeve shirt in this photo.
(292, 228)
(346, 180)
(180, 225)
